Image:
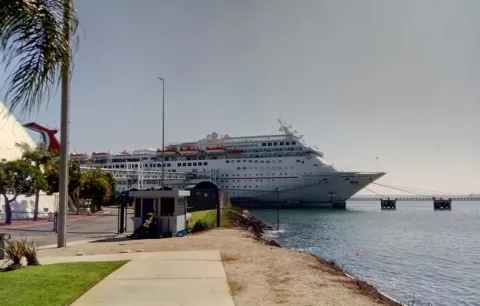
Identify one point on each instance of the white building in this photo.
(12, 132)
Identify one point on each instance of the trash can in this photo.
(3, 236)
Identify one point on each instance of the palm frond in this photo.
(33, 36)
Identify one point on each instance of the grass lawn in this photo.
(208, 215)
(58, 284)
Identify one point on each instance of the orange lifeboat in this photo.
(235, 151)
(215, 149)
(100, 154)
(78, 156)
(188, 150)
(167, 151)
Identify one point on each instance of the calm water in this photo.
(414, 251)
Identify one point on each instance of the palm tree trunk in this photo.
(64, 110)
(35, 210)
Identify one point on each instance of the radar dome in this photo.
(215, 135)
(11, 132)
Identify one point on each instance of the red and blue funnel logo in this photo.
(48, 136)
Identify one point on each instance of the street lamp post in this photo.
(163, 132)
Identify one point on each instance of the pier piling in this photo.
(442, 204)
(388, 204)
(339, 204)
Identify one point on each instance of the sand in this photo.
(258, 274)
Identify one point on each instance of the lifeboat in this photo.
(188, 151)
(235, 151)
(215, 149)
(100, 154)
(77, 156)
(167, 151)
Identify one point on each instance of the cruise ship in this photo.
(264, 169)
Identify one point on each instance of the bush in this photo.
(200, 225)
(30, 253)
(16, 250)
(14, 253)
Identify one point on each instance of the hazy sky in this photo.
(358, 78)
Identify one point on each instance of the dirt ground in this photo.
(258, 274)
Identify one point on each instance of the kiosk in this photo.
(168, 205)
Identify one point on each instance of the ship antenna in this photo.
(287, 129)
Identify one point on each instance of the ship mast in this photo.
(289, 130)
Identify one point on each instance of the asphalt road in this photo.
(87, 229)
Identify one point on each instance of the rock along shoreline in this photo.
(258, 228)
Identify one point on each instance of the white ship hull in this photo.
(337, 189)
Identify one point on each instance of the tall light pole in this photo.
(64, 111)
(163, 132)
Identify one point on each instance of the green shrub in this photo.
(14, 253)
(16, 250)
(30, 253)
(200, 225)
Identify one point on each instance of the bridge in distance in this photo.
(415, 198)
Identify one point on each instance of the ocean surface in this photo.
(413, 253)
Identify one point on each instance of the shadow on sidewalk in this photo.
(112, 239)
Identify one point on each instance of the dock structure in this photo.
(442, 204)
(390, 204)
(439, 203)
(415, 198)
(339, 204)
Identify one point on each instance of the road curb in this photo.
(54, 246)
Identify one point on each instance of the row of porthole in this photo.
(238, 187)
(261, 180)
(261, 174)
(227, 187)
(255, 161)
(263, 168)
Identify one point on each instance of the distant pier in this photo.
(416, 198)
(439, 203)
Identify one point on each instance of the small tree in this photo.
(96, 185)
(16, 178)
(41, 159)
(113, 187)
(74, 176)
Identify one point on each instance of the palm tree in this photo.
(35, 38)
(41, 159)
(34, 43)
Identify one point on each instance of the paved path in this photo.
(86, 229)
(193, 278)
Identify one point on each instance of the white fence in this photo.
(23, 207)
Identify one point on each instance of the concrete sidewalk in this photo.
(193, 278)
